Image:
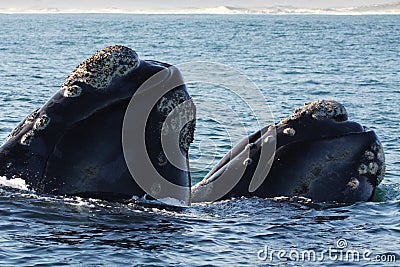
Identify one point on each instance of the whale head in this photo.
(73, 144)
(318, 154)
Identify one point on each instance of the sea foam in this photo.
(16, 183)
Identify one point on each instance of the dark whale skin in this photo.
(72, 145)
(320, 155)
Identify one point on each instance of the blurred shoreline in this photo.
(381, 9)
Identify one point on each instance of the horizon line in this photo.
(127, 12)
(380, 9)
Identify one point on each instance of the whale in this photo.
(121, 127)
(316, 154)
(72, 145)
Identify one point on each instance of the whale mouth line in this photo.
(322, 138)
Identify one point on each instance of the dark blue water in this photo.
(292, 59)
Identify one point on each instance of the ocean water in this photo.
(291, 59)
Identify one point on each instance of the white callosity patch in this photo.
(71, 91)
(373, 168)
(379, 166)
(362, 169)
(27, 138)
(41, 122)
(272, 127)
(321, 110)
(380, 156)
(167, 103)
(284, 120)
(171, 101)
(381, 173)
(28, 120)
(186, 135)
(373, 163)
(99, 70)
(353, 183)
(369, 155)
(378, 150)
(289, 131)
(31, 117)
(181, 120)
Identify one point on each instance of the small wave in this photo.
(292, 72)
(312, 82)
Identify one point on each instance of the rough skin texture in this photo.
(321, 110)
(99, 70)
